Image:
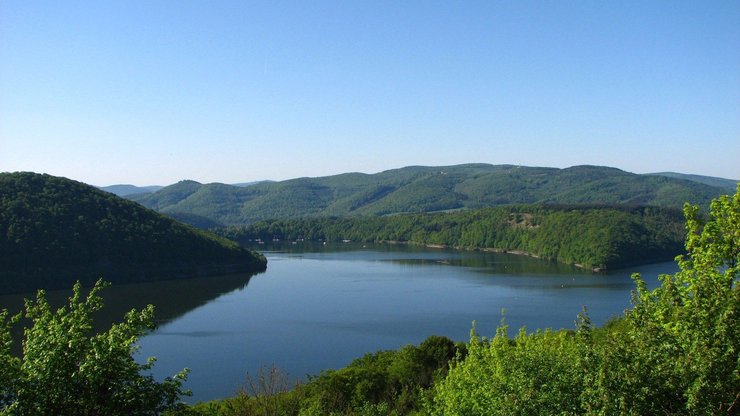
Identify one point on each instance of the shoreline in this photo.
(516, 252)
(494, 250)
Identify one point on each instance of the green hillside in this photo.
(54, 231)
(423, 189)
(729, 185)
(595, 237)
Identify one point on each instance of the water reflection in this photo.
(412, 255)
(320, 306)
(171, 299)
(499, 263)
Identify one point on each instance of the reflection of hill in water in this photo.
(171, 298)
(418, 255)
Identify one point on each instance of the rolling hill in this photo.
(422, 189)
(728, 184)
(54, 231)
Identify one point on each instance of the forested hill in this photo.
(422, 189)
(728, 185)
(54, 231)
(596, 237)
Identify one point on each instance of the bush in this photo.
(66, 369)
(677, 351)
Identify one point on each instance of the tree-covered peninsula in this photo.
(591, 236)
(54, 231)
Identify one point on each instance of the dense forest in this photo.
(591, 236)
(54, 231)
(423, 189)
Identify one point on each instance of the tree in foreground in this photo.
(66, 369)
(677, 351)
(681, 350)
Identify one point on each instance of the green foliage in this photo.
(54, 231)
(675, 352)
(533, 374)
(423, 189)
(393, 380)
(9, 364)
(680, 352)
(592, 236)
(67, 370)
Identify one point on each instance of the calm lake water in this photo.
(320, 307)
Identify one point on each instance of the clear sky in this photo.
(152, 92)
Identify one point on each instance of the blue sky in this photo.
(151, 92)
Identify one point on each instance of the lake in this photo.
(319, 307)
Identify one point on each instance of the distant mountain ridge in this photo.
(125, 190)
(245, 184)
(423, 189)
(54, 231)
(727, 184)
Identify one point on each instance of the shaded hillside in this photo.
(54, 231)
(424, 189)
(194, 220)
(594, 237)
